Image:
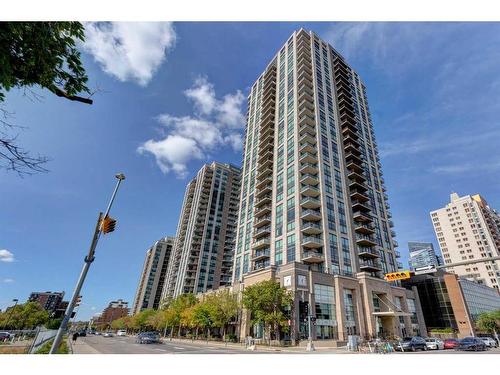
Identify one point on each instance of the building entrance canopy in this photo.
(391, 313)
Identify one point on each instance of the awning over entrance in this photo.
(391, 313)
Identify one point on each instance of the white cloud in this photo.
(6, 256)
(203, 95)
(129, 51)
(8, 280)
(214, 124)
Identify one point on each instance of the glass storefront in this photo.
(326, 320)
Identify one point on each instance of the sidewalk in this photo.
(81, 347)
(258, 348)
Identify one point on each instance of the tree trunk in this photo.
(171, 333)
(196, 333)
(165, 331)
(179, 332)
(224, 334)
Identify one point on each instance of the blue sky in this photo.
(172, 97)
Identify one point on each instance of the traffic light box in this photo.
(108, 225)
(400, 275)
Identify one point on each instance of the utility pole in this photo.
(104, 225)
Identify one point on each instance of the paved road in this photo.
(127, 345)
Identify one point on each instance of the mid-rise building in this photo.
(152, 280)
(422, 254)
(115, 310)
(314, 213)
(449, 301)
(467, 229)
(49, 301)
(202, 255)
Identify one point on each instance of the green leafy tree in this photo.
(38, 54)
(489, 322)
(177, 307)
(143, 319)
(267, 303)
(202, 316)
(224, 308)
(24, 316)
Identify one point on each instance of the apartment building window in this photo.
(279, 220)
(330, 212)
(278, 252)
(290, 214)
(334, 253)
(290, 248)
(342, 219)
(350, 314)
(346, 255)
(290, 149)
(245, 263)
(290, 180)
(279, 187)
(237, 269)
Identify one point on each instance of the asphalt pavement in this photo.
(127, 345)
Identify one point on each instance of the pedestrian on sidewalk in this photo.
(75, 336)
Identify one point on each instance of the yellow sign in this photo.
(400, 275)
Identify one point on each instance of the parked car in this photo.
(451, 343)
(410, 344)
(4, 336)
(148, 338)
(97, 333)
(107, 334)
(471, 343)
(121, 332)
(82, 333)
(489, 341)
(434, 343)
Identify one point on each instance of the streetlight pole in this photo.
(87, 262)
(15, 300)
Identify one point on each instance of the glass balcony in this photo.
(311, 228)
(364, 240)
(311, 215)
(310, 179)
(310, 190)
(262, 254)
(370, 265)
(262, 231)
(312, 242)
(367, 252)
(310, 168)
(262, 243)
(306, 157)
(310, 202)
(312, 257)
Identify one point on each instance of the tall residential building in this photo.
(202, 256)
(422, 254)
(152, 280)
(467, 228)
(49, 301)
(313, 209)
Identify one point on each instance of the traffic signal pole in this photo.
(86, 265)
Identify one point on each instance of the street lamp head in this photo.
(120, 176)
(15, 300)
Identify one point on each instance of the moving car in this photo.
(434, 343)
(490, 342)
(121, 332)
(411, 344)
(148, 338)
(471, 343)
(451, 343)
(107, 334)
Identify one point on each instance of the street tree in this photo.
(267, 304)
(202, 316)
(38, 54)
(224, 308)
(490, 322)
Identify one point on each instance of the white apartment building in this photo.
(202, 256)
(152, 279)
(313, 210)
(467, 228)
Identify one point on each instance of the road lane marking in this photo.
(177, 347)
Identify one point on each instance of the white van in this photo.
(121, 332)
